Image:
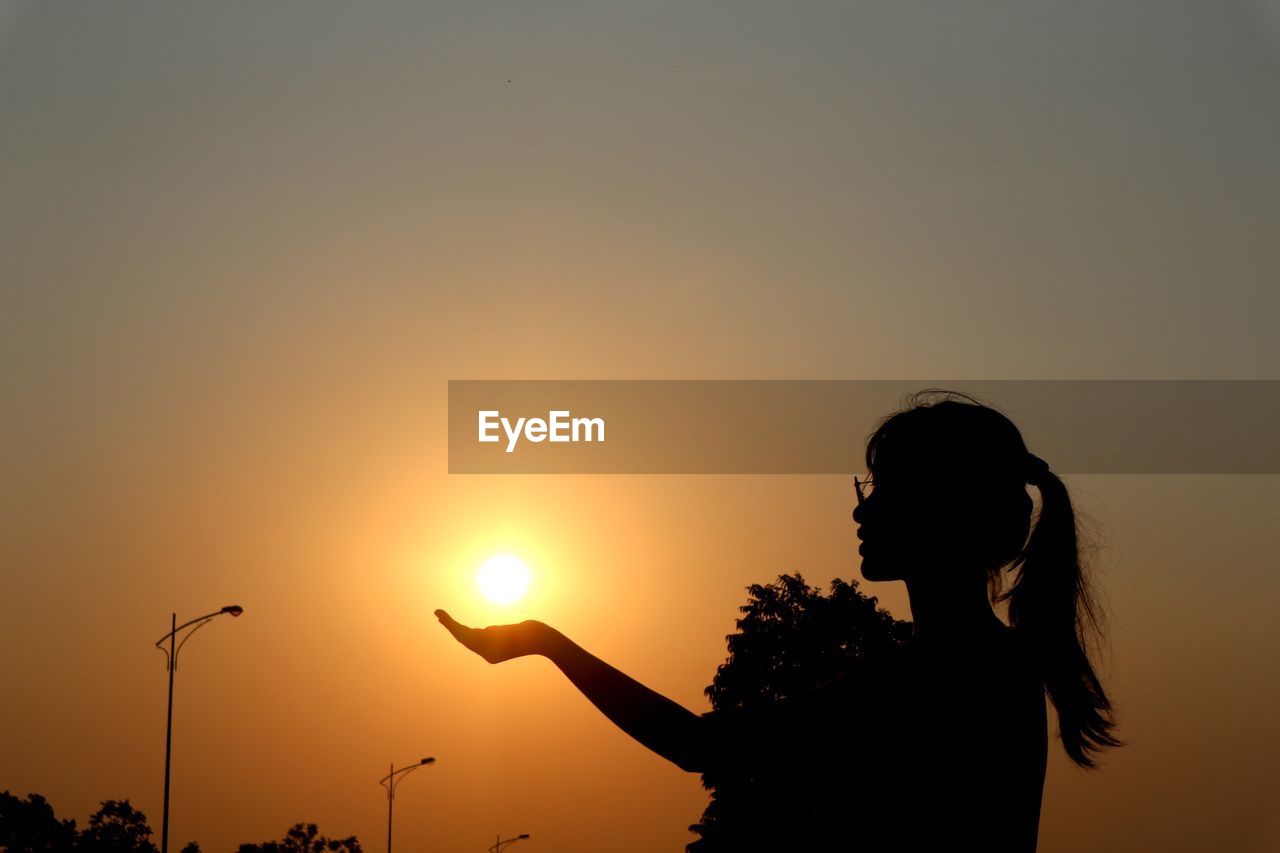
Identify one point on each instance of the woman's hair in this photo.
(1050, 601)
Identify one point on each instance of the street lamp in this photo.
(390, 781)
(171, 663)
(497, 848)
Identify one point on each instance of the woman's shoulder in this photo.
(1018, 654)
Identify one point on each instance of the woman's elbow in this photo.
(692, 751)
(690, 761)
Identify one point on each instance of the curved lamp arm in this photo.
(393, 778)
(171, 660)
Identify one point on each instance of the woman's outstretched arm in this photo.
(672, 731)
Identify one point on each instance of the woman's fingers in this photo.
(483, 641)
(460, 632)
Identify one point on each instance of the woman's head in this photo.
(947, 491)
(948, 502)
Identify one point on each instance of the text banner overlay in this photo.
(821, 426)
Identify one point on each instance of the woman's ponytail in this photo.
(1050, 604)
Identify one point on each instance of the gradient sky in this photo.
(244, 247)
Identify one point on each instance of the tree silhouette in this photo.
(116, 827)
(29, 826)
(791, 638)
(304, 838)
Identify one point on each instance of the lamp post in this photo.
(390, 781)
(171, 663)
(497, 848)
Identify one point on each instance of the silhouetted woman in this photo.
(941, 744)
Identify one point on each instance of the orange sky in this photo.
(245, 250)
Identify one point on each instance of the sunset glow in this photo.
(460, 344)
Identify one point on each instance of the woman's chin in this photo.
(874, 570)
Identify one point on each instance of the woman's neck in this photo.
(957, 609)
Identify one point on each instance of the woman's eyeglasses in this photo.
(860, 486)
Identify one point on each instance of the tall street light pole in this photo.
(171, 653)
(390, 781)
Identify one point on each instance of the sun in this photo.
(504, 579)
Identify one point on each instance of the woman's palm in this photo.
(497, 642)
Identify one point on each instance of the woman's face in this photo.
(904, 524)
(918, 519)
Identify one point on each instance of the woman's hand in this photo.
(500, 642)
(673, 732)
